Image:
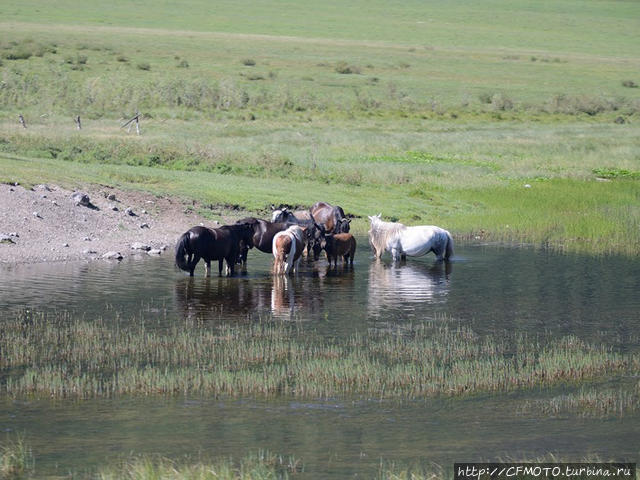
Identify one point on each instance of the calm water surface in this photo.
(490, 289)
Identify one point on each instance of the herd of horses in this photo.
(289, 234)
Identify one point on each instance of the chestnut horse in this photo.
(287, 249)
(339, 245)
(223, 243)
(331, 218)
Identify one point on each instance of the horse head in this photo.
(343, 225)
(316, 239)
(374, 218)
(280, 215)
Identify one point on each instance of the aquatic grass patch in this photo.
(260, 465)
(61, 357)
(16, 459)
(589, 402)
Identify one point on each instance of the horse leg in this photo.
(231, 271)
(207, 268)
(192, 264)
(395, 254)
(220, 263)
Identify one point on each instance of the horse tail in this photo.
(276, 253)
(292, 255)
(449, 247)
(182, 250)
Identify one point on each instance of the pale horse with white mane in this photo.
(416, 241)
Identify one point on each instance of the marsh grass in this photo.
(589, 402)
(16, 459)
(255, 466)
(61, 357)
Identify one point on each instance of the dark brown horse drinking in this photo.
(223, 243)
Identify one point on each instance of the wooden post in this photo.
(22, 122)
(130, 123)
(78, 123)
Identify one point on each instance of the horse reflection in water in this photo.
(405, 285)
(226, 299)
(220, 298)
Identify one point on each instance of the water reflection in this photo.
(303, 295)
(404, 285)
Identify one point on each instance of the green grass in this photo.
(431, 114)
(57, 356)
(16, 459)
(589, 402)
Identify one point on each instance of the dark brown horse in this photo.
(223, 243)
(264, 231)
(331, 218)
(339, 245)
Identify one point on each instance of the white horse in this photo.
(287, 248)
(416, 241)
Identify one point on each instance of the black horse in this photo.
(223, 243)
(264, 231)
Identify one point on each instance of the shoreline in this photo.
(45, 224)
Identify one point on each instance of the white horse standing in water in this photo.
(416, 241)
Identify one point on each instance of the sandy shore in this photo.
(45, 224)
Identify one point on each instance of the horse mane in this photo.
(381, 233)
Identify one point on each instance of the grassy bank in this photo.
(62, 357)
(425, 115)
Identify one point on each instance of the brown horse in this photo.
(287, 249)
(264, 231)
(223, 243)
(331, 218)
(339, 245)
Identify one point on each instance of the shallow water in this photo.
(490, 289)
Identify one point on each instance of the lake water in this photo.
(493, 290)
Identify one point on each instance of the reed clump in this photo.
(60, 356)
(590, 403)
(16, 459)
(256, 466)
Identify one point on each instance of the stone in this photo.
(90, 252)
(81, 198)
(154, 251)
(65, 244)
(140, 246)
(111, 197)
(113, 207)
(145, 225)
(6, 239)
(37, 215)
(112, 256)
(129, 211)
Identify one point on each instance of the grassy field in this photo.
(427, 112)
